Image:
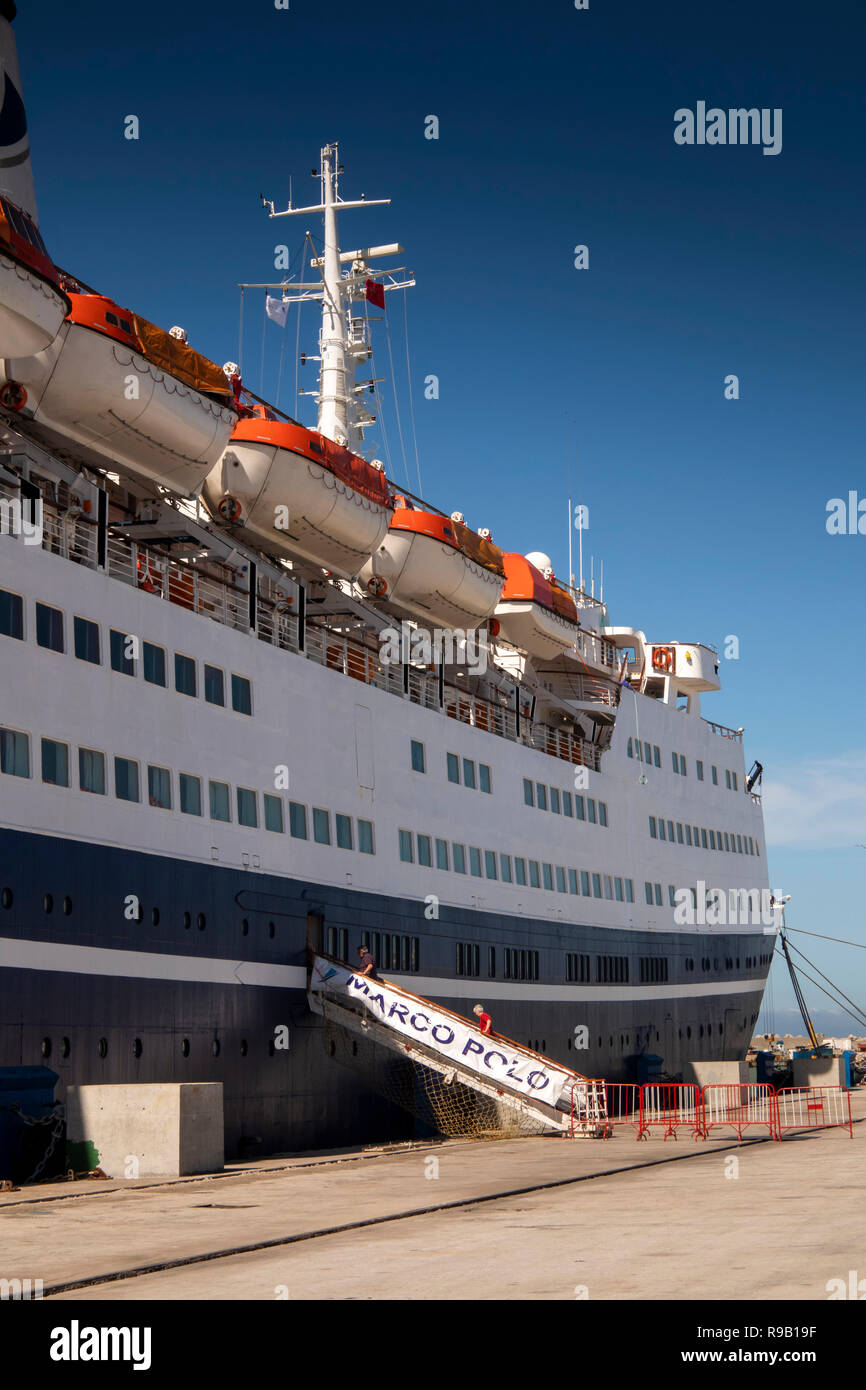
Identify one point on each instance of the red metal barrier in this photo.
(623, 1105)
(671, 1105)
(588, 1105)
(814, 1107)
(741, 1104)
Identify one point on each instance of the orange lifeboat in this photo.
(121, 393)
(436, 568)
(32, 304)
(300, 494)
(535, 614)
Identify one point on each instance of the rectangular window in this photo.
(602, 813)
(505, 868)
(214, 686)
(425, 851)
(218, 796)
(468, 773)
(190, 794)
(662, 832)
(442, 861)
(715, 773)
(297, 820)
(648, 891)
(154, 663)
(739, 844)
(474, 861)
(491, 962)
(55, 763)
(453, 767)
(703, 838)
(648, 753)
(458, 854)
(580, 807)
(91, 771)
(675, 759)
(672, 898)
(528, 792)
(484, 778)
(608, 887)
(590, 808)
(547, 876)
(87, 640)
(630, 752)
(671, 831)
(572, 881)
(727, 842)
(629, 890)
(321, 826)
(49, 627)
(407, 853)
(242, 695)
(596, 885)
(728, 779)
(184, 674)
(658, 892)
(617, 883)
(712, 839)
(159, 787)
(365, 837)
(560, 880)
(343, 826)
(248, 809)
(700, 768)
(14, 753)
(554, 800)
(11, 615)
(683, 767)
(541, 796)
(126, 779)
(679, 833)
(567, 805)
(274, 814)
(520, 871)
(417, 756)
(584, 882)
(121, 648)
(534, 879)
(490, 863)
(734, 776)
(688, 829)
(652, 826)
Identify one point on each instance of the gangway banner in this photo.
(493, 1058)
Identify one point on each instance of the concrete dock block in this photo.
(147, 1131)
(715, 1073)
(819, 1071)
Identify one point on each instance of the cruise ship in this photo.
(258, 702)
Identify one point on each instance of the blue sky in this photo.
(556, 129)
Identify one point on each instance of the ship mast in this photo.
(343, 343)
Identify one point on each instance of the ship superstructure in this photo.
(216, 760)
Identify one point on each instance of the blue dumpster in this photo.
(28, 1092)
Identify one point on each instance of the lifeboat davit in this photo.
(535, 613)
(118, 392)
(436, 568)
(32, 304)
(300, 494)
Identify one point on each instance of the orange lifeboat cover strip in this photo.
(281, 434)
(526, 584)
(442, 528)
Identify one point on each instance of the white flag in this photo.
(277, 309)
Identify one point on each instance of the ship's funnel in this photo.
(16, 173)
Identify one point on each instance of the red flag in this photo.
(376, 294)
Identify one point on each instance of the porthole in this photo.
(701, 1031)
(48, 903)
(215, 1047)
(154, 917)
(46, 1047)
(137, 1047)
(688, 1030)
(245, 927)
(6, 898)
(272, 931)
(201, 921)
(65, 1047)
(569, 1044)
(102, 1047)
(67, 906)
(610, 1041)
(543, 1045)
(184, 1047)
(721, 1030)
(244, 1047)
(187, 920)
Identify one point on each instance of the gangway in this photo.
(442, 1068)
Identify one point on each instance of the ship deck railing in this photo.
(210, 592)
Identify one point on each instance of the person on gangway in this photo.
(368, 965)
(485, 1022)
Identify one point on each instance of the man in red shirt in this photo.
(485, 1022)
